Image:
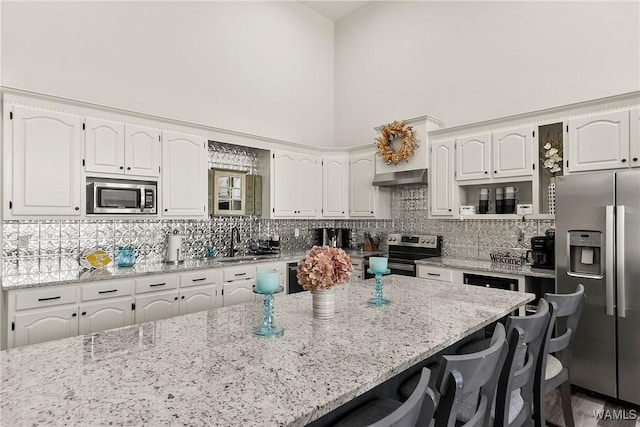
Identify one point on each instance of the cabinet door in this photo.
(104, 146)
(46, 152)
(599, 142)
(142, 151)
(103, 315)
(512, 153)
(361, 192)
(309, 191)
(46, 324)
(634, 135)
(184, 175)
(442, 183)
(239, 292)
(199, 299)
(335, 186)
(286, 185)
(473, 157)
(158, 305)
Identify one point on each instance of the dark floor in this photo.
(586, 404)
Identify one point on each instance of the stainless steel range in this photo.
(405, 249)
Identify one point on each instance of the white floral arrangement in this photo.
(553, 156)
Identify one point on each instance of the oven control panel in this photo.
(416, 240)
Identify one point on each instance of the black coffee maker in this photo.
(543, 250)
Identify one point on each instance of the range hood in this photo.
(416, 176)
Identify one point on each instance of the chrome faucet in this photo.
(235, 238)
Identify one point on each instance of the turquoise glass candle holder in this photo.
(267, 281)
(268, 329)
(378, 264)
(378, 300)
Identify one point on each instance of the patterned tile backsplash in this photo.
(55, 244)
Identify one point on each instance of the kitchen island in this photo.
(207, 368)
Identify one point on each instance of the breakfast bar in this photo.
(207, 368)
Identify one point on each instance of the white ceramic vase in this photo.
(324, 303)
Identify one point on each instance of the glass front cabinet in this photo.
(229, 191)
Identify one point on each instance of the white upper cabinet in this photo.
(121, 149)
(634, 149)
(366, 200)
(296, 185)
(512, 153)
(104, 146)
(473, 157)
(184, 175)
(441, 179)
(335, 186)
(43, 163)
(142, 151)
(598, 142)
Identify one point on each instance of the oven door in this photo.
(400, 267)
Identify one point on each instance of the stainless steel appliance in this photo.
(598, 245)
(405, 249)
(115, 196)
(543, 250)
(292, 279)
(334, 237)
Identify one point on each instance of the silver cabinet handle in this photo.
(608, 269)
(622, 304)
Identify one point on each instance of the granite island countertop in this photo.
(35, 276)
(206, 368)
(482, 265)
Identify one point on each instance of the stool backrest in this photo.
(566, 314)
(421, 404)
(462, 375)
(526, 336)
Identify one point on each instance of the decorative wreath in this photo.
(390, 132)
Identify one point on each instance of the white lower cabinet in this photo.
(45, 324)
(156, 305)
(434, 273)
(200, 298)
(102, 315)
(239, 292)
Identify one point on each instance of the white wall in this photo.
(464, 62)
(263, 68)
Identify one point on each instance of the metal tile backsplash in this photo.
(55, 244)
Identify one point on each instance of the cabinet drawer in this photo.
(106, 289)
(358, 264)
(45, 297)
(239, 273)
(202, 277)
(157, 283)
(435, 273)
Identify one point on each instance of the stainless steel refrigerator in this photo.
(598, 245)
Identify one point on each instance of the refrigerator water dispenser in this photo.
(585, 254)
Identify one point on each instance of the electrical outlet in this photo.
(296, 232)
(23, 241)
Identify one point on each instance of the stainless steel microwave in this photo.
(114, 196)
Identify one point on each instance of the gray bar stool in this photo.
(389, 412)
(553, 371)
(467, 384)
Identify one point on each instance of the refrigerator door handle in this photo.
(608, 272)
(622, 304)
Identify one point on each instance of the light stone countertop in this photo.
(38, 278)
(206, 368)
(480, 265)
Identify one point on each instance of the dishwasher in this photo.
(292, 280)
(492, 282)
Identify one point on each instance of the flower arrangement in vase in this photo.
(321, 269)
(552, 162)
